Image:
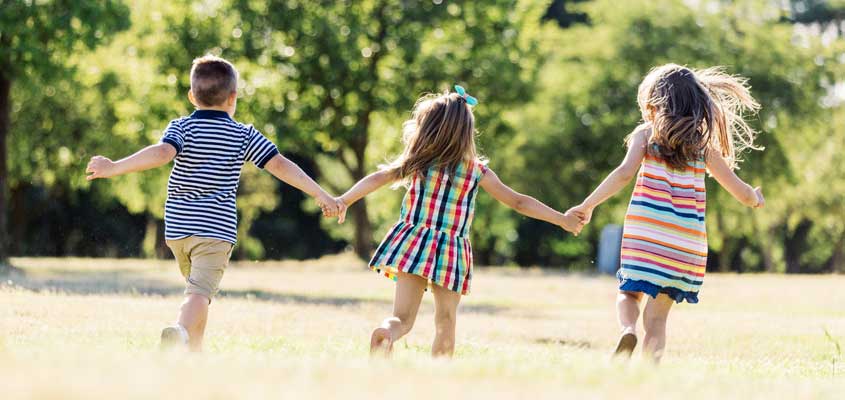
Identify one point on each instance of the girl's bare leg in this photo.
(628, 311)
(406, 303)
(654, 320)
(445, 312)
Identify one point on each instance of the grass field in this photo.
(83, 329)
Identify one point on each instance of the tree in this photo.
(339, 66)
(791, 73)
(33, 39)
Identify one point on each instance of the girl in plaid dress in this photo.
(430, 243)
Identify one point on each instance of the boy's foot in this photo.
(381, 342)
(174, 337)
(626, 345)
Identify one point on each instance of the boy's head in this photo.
(214, 83)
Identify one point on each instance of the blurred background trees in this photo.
(331, 82)
(35, 42)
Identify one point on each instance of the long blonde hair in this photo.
(694, 111)
(440, 133)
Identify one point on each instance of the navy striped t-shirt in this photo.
(210, 148)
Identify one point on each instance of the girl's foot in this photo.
(381, 342)
(627, 343)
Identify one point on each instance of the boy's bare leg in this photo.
(193, 316)
(445, 318)
(654, 320)
(406, 303)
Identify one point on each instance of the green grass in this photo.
(82, 329)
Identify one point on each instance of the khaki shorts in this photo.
(202, 262)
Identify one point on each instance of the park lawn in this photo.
(88, 328)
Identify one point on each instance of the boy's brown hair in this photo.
(213, 80)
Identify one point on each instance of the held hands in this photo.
(571, 223)
(576, 217)
(99, 167)
(332, 207)
(584, 213)
(341, 211)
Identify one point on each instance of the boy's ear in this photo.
(233, 97)
(191, 98)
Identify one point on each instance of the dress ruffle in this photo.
(438, 256)
(631, 285)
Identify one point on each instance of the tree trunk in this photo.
(5, 109)
(837, 260)
(148, 246)
(768, 250)
(363, 229)
(736, 256)
(795, 245)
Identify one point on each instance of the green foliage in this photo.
(37, 36)
(592, 84)
(331, 82)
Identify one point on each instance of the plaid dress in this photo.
(431, 238)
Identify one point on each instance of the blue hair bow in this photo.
(463, 93)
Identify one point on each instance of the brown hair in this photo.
(694, 111)
(440, 133)
(213, 80)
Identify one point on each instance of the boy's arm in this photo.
(527, 205)
(364, 187)
(722, 172)
(147, 158)
(616, 180)
(288, 172)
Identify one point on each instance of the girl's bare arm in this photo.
(722, 172)
(527, 205)
(365, 186)
(617, 179)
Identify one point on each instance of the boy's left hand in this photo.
(99, 167)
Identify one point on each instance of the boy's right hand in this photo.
(99, 167)
(328, 205)
(761, 201)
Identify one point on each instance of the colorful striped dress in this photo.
(431, 238)
(664, 241)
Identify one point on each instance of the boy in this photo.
(200, 214)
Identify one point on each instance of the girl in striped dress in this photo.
(693, 123)
(430, 245)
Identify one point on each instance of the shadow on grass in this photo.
(120, 282)
(580, 344)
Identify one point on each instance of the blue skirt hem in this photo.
(630, 285)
